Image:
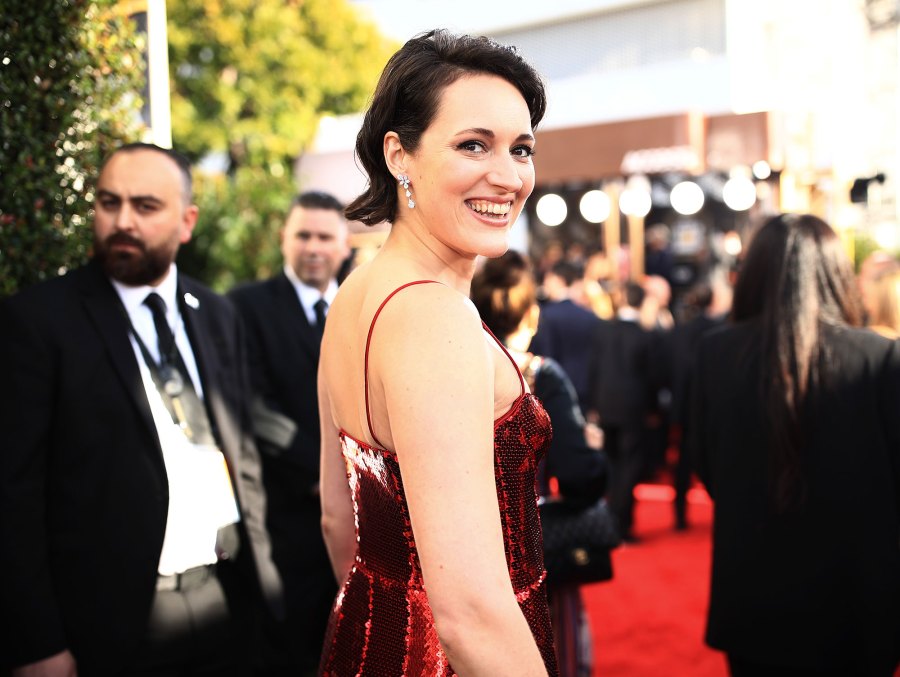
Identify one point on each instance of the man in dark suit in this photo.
(131, 502)
(565, 328)
(622, 393)
(700, 315)
(284, 317)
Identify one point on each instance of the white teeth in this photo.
(485, 207)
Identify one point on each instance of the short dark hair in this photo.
(406, 101)
(315, 199)
(634, 294)
(569, 271)
(180, 160)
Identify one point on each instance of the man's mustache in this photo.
(124, 239)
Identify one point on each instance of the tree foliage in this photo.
(237, 236)
(252, 77)
(70, 71)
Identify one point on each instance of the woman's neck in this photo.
(434, 260)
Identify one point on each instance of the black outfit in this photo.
(581, 473)
(622, 393)
(684, 340)
(284, 359)
(816, 588)
(659, 262)
(83, 485)
(564, 334)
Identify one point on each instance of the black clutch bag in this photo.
(577, 541)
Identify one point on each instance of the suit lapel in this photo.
(105, 309)
(289, 304)
(211, 353)
(196, 324)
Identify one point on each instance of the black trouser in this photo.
(192, 630)
(683, 471)
(627, 454)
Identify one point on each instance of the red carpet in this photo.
(649, 620)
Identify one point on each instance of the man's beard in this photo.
(133, 268)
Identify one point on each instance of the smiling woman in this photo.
(435, 538)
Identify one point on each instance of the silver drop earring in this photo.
(404, 181)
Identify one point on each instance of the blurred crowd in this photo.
(629, 347)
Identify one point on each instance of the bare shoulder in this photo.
(428, 314)
(428, 345)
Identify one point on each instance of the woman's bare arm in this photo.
(434, 370)
(338, 526)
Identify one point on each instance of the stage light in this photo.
(687, 198)
(551, 209)
(635, 202)
(731, 243)
(762, 170)
(739, 193)
(595, 206)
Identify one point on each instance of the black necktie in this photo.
(174, 381)
(320, 307)
(164, 333)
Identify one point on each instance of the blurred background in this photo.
(697, 115)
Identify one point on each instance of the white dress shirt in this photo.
(201, 498)
(310, 295)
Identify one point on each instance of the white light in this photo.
(595, 206)
(887, 235)
(635, 202)
(732, 243)
(762, 170)
(687, 198)
(739, 193)
(551, 209)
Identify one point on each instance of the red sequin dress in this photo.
(381, 624)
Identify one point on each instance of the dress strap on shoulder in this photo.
(506, 352)
(369, 342)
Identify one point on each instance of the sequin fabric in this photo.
(381, 624)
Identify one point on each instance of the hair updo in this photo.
(503, 291)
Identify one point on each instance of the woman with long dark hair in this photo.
(796, 431)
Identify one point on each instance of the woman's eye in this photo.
(523, 151)
(472, 146)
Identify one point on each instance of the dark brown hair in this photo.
(795, 278)
(503, 290)
(406, 100)
(316, 199)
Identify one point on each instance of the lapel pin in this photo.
(192, 301)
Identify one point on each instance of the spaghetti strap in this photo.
(506, 352)
(369, 341)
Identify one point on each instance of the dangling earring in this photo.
(404, 181)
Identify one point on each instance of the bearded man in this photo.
(131, 502)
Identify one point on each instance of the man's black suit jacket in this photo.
(621, 373)
(283, 353)
(83, 489)
(564, 333)
(819, 587)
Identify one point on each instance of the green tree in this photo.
(70, 71)
(237, 236)
(251, 78)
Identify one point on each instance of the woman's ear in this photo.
(395, 157)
